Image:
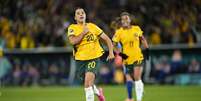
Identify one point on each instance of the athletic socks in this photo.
(129, 86)
(96, 91)
(89, 94)
(139, 88)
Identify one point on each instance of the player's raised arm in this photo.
(109, 45)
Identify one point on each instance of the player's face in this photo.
(80, 15)
(125, 21)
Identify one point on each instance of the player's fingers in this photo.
(107, 59)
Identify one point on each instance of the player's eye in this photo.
(77, 13)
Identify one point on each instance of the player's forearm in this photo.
(110, 45)
(108, 42)
(76, 39)
(144, 42)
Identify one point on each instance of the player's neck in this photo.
(80, 23)
(127, 27)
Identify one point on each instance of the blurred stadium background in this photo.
(35, 53)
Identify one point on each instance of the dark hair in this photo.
(124, 13)
(77, 9)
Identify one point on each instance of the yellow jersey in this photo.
(1, 52)
(130, 41)
(89, 47)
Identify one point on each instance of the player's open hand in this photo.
(110, 56)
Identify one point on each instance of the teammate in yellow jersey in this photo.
(130, 36)
(87, 50)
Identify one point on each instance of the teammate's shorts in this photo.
(128, 69)
(86, 66)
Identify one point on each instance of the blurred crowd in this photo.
(54, 69)
(34, 70)
(178, 63)
(35, 23)
(163, 69)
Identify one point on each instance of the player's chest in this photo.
(129, 35)
(79, 30)
(89, 37)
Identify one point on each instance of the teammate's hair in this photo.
(124, 13)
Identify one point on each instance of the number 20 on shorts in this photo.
(91, 64)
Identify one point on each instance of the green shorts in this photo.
(86, 66)
(129, 68)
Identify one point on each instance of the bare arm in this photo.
(108, 42)
(77, 39)
(146, 46)
(109, 45)
(144, 42)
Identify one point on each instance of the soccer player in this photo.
(130, 37)
(87, 50)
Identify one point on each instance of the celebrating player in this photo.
(87, 50)
(129, 36)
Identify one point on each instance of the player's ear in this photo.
(75, 18)
(129, 19)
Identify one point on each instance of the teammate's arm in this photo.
(77, 39)
(109, 45)
(146, 46)
(117, 48)
(144, 42)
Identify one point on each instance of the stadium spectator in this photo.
(16, 75)
(194, 66)
(106, 75)
(5, 69)
(155, 38)
(118, 76)
(176, 62)
(162, 70)
(54, 74)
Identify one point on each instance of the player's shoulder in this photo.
(72, 25)
(91, 24)
(119, 30)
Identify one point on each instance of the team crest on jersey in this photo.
(70, 30)
(135, 34)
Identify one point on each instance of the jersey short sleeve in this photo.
(139, 31)
(71, 31)
(97, 30)
(116, 37)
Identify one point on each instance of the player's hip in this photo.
(133, 60)
(129, 67)
(83, 66)
(84, 56)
